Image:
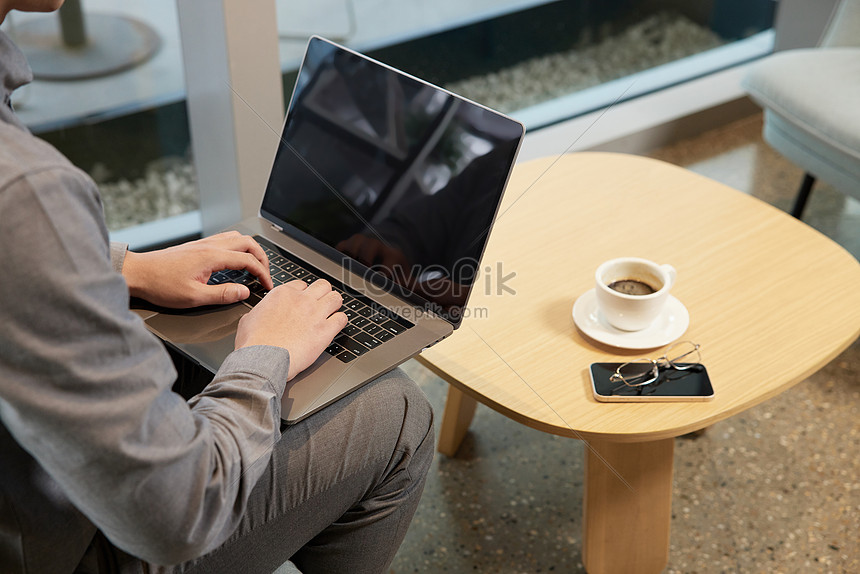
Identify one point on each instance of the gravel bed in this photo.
(168, 186)
(658, 39)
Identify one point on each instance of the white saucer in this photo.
(670, 325)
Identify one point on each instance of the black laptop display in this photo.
(396, 174)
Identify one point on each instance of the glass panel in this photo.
(540, 61)
(109, 94)
(526, 57)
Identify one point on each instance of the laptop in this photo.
(386, 186)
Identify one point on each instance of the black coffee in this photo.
(632, 287)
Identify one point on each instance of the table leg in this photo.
(459, 410)
(628, 506)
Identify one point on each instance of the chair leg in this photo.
(803, 195)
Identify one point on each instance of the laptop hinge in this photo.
(276, 227)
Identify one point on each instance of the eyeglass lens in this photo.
(638, 372)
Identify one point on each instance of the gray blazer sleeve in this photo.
(86, 389)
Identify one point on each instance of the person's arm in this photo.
(87, 390)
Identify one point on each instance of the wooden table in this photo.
(770, 300)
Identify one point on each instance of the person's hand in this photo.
(176, 277)
(298, 317)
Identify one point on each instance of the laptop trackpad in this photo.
(208, 335)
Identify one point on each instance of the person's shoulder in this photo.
(22, 154)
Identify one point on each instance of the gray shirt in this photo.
(91, 435)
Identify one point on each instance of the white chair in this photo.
(811, 101)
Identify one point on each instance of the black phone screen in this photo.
(672, 384)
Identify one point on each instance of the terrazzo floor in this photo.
(774, 489)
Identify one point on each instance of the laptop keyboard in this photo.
(369, 324)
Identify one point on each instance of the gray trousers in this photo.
(338, 495)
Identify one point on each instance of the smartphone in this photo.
(691, 384)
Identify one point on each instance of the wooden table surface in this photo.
(770, 301)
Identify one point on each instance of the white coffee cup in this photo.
(625, 310)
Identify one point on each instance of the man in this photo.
(105, 469)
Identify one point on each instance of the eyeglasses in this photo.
(644, 371)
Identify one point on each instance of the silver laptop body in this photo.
(369, 156)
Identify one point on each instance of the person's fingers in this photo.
(265, 279)
(232, 293)
(333, 325)
(329, 299)
(338, 321)
(224, 294)
(296, 284)
(233, 241)
(319, 288)
(319, 292)
(239, 260)
(331, 302)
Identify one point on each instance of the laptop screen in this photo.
(378, 168)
